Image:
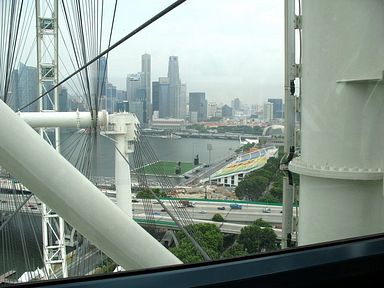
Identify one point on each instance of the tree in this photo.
(207, 235)
(257, 239)
(148, 194)
(268, 198)
(252, 187)
(218, 218)
(261, 223)
(236, 250)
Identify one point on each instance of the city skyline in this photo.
(239, 55)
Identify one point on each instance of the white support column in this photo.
(341, 164)
(122, 176)
(47, 67)
(122, 127)
(63, 188)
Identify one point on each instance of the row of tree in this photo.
(264, 184)
(255, 238)
(242, 129)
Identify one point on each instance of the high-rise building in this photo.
(63, 99)
(198, 104)
(182, 111)
(111, 98)
(211, 109)
(27, 88)
(13, 94)
(236, 104)
(155, 96)
(164, 98)
(174, 86)
(277, 107)
(102, 76)
(226, 111)
(146, 83)
(268, 112)
(133, 85)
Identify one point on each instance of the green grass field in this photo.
(167, 168)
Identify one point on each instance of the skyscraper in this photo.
(146, 83)
(174, 86)
(27, 87)
(268, 112)
(198, 104)
(182, 111)
(102, 76)
(133, 85)
(277, 107)
(164, 98)
(155, 95)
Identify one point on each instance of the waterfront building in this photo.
(268, 112)
(111, 98)
(174, 86)
(133, 83)
(27, 88)
(211, 109)
(146, 84)
(198, 104)
(102, 76)
(277, 107)
(226, 111)
(172, 124)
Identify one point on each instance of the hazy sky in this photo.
(226, 48)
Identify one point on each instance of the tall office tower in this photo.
(277, 107)
(27, 87)
(63, 99)
(182, 111)
(174, 86)
(164, 98)
(133, 84)
(13, 94)
(236, 104)
(146, 83)
(198, 104)
(226, 111)
(111, 98)
(102, 76)
(211, 109)
(121, 95)
(268, 112)
(155, 95)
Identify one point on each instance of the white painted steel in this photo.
(342, 116)
(122, 127)
(63, 119)
(289, 115)
(62, 187)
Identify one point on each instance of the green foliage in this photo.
(252, 187)
(261, 223)
(268, 198)
(218, 218)
(257, 239)
(215, 119)
(265, 184)
(147, 194)
(236, 250)
(245, 148)
(207, 235)
(199, 127)
(107, 266)
(242, 129)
